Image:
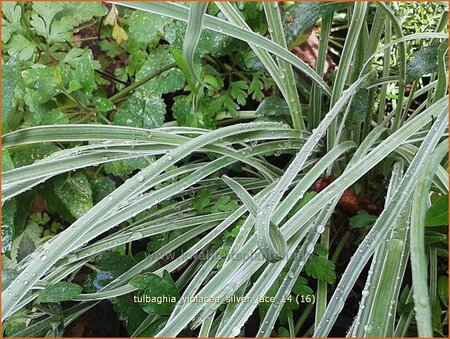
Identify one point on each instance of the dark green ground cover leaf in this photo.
(146, 28)
(62, 291)
(437, 214)
(108, 266)
(101, 187)
(10, 79)
(75, 193)
(273, 107)
(362, 220)
(302, 15)
(319, 267)
(153, 285)
(423, 62)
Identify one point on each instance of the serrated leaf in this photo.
(108, 266)
(301, 287)
(362, 220)
(82, 62)
(111, 48)
(360, 105)
(11, 23)
(75, 193)
(169, 81)
(141, 111)
(21, 47)
(129, 313)
(41, 85)
(211, 42)
(101, 187)
(146, 28)
(29, 154)
(437, 214)
(256, 87)
(154, 286)
(26, 247)
(122, 168)
(238, 91)
(10, 79)
(62, 291)
(223, 204)
(83, 11)
(320, 268)
(8, 211)
(423, 62)
(201, 200)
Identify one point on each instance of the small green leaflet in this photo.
(169, 81)
(423, 62)
(152, 286)
(10, 79)
(129, 312)
(146, 28)
(201, 200)
(362, 219)
(11, 23)
(101, 187)
(62, 291)
(319, 267)
(141, 111)
(75, 193)
(437, 214)
(108, 266)
(224, 204)
(302, 15)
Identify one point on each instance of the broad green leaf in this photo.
(62, 291)
(319, 267)
(8, 211)
(81, 60)
(101, 187)
(26, 247)
(11, 23)
(301, 287)
(362, 220)
(169, 81)
(124, 167)
(29, 154)
(223, 204)
(212, 43)
(81, 12)
(141, 111)
(442, 290)
(10, 79)
(108, 266)
(103, 105)
(75, 193)
(146, 28)
(129, 313)
(21, 47)
(201, 200)
(302, 15)
(360, 105)
(41, 85)
(153, 286)
(437, 214)
(423, 62)
(273, 107)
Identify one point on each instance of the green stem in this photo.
(303, 317)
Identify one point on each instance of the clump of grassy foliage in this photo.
(182, 150)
